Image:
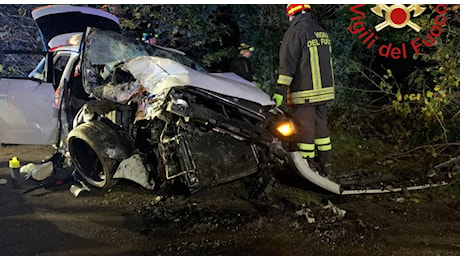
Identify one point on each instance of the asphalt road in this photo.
(126, 221)
(53, 221)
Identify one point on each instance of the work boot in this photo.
(325, 158)
(314, 166)
(326, 170)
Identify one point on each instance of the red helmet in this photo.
(292, 9)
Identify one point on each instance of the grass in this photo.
(352, 152)
(454, 187)
(298, 196)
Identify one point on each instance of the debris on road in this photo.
(336, 210)
(76, 189)
(308, 213)
(38, 172)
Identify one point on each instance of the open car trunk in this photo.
(54, 20)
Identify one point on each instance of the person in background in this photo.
(305, 72)
(150, 38)
(242, 65)
(2, 58)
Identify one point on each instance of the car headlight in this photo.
(286, 128)
(283, 129)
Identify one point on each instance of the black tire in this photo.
(89, 145)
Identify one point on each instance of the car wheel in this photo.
(96, 151)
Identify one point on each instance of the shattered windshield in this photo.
(105, 47)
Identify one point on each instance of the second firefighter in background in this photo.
(306, 82)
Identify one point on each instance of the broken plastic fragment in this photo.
(38, 172)
(336, 210)
(76, 189)
(307, 213)
(133, 169)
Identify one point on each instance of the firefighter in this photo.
(242, 65)
(150, 38)
(306, 82)
(2, 58)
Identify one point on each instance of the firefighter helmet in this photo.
(292, 9)
(244, 46)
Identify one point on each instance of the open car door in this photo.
(29, 113)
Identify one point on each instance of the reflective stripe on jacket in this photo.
(305, 62)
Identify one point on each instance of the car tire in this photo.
(96, 150)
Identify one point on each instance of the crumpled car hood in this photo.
(156, 74)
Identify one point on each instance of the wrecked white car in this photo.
(123, 109)
(154, 120)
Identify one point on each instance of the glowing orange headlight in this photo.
(286, 129)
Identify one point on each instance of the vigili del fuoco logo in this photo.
(396, 16)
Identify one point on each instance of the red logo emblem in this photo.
(396, 16)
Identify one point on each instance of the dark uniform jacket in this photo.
(305, 63)
(243, 67)
(2, 55)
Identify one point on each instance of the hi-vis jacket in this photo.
(305, 63)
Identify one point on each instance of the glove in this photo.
(280, 94)
(278, 99)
